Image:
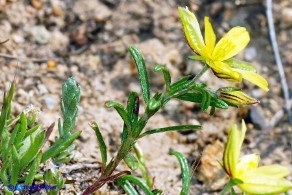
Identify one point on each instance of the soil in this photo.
(50, 40)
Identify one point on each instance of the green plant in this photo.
(22, 141)
(217, 57)
(187, 89)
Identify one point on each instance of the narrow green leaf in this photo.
(59, 147)
(196, 97)
(3, 170)
(14, 134)
(135, 180)
(131, 162)
(102, 146)
(178, 87)
(33, 150)
(173, 128)
(122, 112)
(142, 71)
(15, 166)
(133, 112)
(4, 113)
(212, 111)
(33, 170)
(182, 80)
(206, 99)
(23, 127)
(11, 92)
(127, 186)
(133, 107)
(31, 130)
(166, 75)
(186, 176)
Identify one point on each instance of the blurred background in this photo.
(50, 40)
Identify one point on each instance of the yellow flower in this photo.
(254, 180)
(219, 56)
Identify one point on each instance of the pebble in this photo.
(50, 101)
(257, 117)
(41, 34)
(250, 53)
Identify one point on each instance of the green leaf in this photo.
(212, 111)
(23, 127)
(15, 166)
(14, 134)
(133, 112)
(133, 107)
(33, 170)
(131, 161)
(197, 97)
(135, 180)
(31, 130)
(122, 112)
(142, 71)
(206, 100)
(127, 186)
(186, 176)
(33, 150)
(166, 75)
(3, 170)
(59, 147)
(102, 146)
(173, 128)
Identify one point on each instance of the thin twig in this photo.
(269, 13)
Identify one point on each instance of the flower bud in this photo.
(233, 96)
(153, 106)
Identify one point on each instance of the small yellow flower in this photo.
(219, 56)
(254, 180)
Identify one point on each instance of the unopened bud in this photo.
(233, 96)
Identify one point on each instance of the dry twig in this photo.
(287, 105)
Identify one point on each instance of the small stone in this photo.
(37, 4)
(57, 10)
(42, 89)
(210, 171)
(41, 34)
(250, 53)
(50, 102)
(286, 17)
(257, 117)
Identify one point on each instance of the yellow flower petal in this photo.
(223, 71)
(247, 163)
(231, 44)
(210, 37)
(254, 78)
(192, 31)
(271, 171)
(258, 185)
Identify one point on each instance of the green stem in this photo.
(167, 97)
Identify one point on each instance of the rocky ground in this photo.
(50, 40)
